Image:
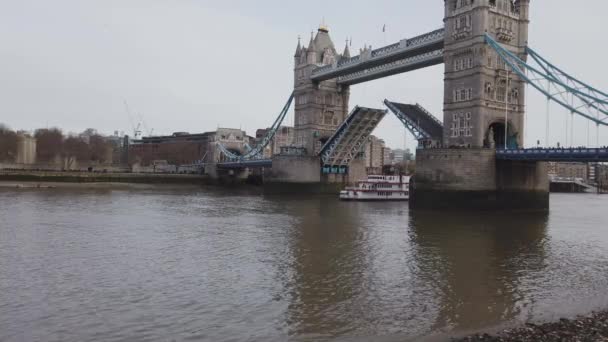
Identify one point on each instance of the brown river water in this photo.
(165, 264)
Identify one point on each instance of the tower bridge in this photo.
(474, 156)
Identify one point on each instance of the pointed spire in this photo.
(298, 49)
(323, 27)
(346, 53)
(311, 45)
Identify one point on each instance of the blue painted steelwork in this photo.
(418, 129)
(257, 151)
(413, 53)
(245, 164)
(586, 101)
(349, 126)
(582, 154)
(416, 62)
(559, 73)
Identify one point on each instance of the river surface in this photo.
(161, 264)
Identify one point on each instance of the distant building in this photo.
(26, 149)
(570, 170)
(284, 136)
(177, 149)
(601, 176)
(401, 156)
(374, 152)
(234, 140)
(120, 149)
(387, 158)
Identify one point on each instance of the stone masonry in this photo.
(319, 107)
(477, 82)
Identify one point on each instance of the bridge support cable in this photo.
(548, 123)
(560, 74)
(582, 90)
(257, 151)
(585, 102)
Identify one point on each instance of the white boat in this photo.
(379, 188)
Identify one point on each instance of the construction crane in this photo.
(137, 129)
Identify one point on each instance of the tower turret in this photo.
(311, 50)
(298, 53)
(346, 53)
(319, 107)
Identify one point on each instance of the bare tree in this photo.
(8, 144)
(100, 149)
(75, 149)
(49, 142)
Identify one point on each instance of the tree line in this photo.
(52, 143)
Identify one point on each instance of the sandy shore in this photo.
(593, 327)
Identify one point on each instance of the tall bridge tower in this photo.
(479, 91)
(320, 107)
(484, 107)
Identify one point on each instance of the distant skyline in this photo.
(193, 65)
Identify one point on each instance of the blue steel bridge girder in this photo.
(350, 137)
(257, 152)
(245, 164)
(407, 55)
(422, 124)
(582, 155)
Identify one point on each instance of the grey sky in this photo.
(191, 65)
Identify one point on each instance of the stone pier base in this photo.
(472, 179)
(302, 175)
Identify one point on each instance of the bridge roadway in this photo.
(245, 164)
(582, 154)
(407, 55)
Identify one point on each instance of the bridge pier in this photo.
(227, 175)
(473, 179)
(296, 174)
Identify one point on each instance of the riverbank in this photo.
(593, 327)
(91, 177)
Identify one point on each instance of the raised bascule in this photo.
(475, 156)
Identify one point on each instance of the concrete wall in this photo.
(473, 179)
(294, 169)
(456, 169)
(521, 176)
(26, 150)
(357, 171)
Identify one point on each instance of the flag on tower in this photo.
(384, 28)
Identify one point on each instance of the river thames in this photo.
(167, 264)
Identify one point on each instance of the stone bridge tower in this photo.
(477, 82)
(319, 107)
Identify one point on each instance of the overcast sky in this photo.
(194, 65)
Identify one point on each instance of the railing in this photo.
(554, 154)
(344, 62)
(429, 114)
(386, 50)
(245, 164)
(426, 38)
